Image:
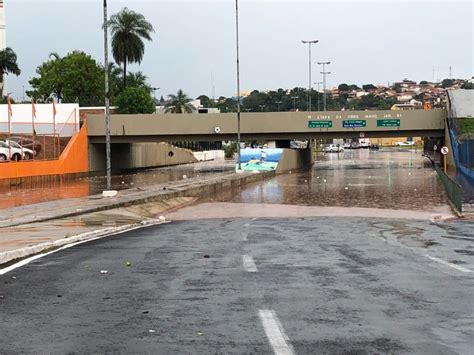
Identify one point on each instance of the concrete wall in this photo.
(264, 125)
(294, 159)
(139, 155)
(209, 155)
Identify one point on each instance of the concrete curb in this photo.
(43, 248)
(153, 194)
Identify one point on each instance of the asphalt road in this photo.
(250, 286)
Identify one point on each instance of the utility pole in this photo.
(154, 96)
(238, 82)
(309, 43)
(107, 102)
(324, 72)
(450, 76)
(318, 83)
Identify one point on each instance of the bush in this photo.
(230, 150)
(135, 100)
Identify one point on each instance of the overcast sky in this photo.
(367, 42)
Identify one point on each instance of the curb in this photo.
(43, 249)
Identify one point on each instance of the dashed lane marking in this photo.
(275, 332)
(249, 264)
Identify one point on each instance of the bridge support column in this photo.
(282, 144)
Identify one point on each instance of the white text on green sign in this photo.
(388, 123)
(319, 124)
(354, 123)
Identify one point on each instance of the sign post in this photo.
(444, 151)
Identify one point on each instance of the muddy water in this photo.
(387, 179)
(55, 188)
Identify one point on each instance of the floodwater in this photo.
(55, 188)
(389, 179)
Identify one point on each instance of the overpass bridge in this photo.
(268, 126)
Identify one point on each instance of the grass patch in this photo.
(466, 125)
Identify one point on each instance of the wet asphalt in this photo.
(337, 286)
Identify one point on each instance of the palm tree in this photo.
(8, 64)
(138, 80)
(179, 103)
(128, 29)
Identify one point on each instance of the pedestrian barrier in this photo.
(453, 189)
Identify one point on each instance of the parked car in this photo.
(26, 153)
(333, 148)
(26, 142)
(10, 152)
(347, 145)
(364, 145)
(401, 144)
(355, 145)
(374, 147)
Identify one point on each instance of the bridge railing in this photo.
(453, 189)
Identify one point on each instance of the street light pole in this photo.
(278, 104)
(324, 72)
(309, 73)
(107, 102)
(318, 83)
(294, 102)
(238, 82)
(154, 96)
(262, 107)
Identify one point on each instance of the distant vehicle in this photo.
(26, 153)
(402, 144)
(364, 145)
(374, 147)
(28, 143)
(10, 153)
(355, 145)
(333, 148)
(347, 145)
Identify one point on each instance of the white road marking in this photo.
(275, 332)
(454, 266)
(249, 264)
(109, 232)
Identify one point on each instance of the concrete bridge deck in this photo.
(267, 125)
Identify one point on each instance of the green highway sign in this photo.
(354, 123)
(319, 124)
(388, 123)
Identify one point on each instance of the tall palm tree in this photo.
(128, 29)
(179, 103)
(138, 80)
(8, 64)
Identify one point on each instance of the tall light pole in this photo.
(309, 43)
(107, 102)
(238, 82)
(154, 96)
(262, 107)
(324, 72)
(318, 83)
(278, 104)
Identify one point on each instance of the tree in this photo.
(205, 100)
(135, 100)
(128, 29)
(179, 103)
(77, 77)
(138, 80)
(368, 87)
(8, 64)
(343, 87)
(446, 83)
(467, 85)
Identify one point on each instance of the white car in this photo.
(347, 145)
(9, 153)
(401, 144)
(26, 153)
(333, 148)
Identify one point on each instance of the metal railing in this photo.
(453, 189)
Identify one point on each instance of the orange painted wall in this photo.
(74, 159)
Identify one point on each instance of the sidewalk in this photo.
(31, 229)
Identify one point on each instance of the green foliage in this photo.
(128, 29)
(77, 77)
(466, 125)
(205, 100)
(179, 103)
(368, 87)
(343, 87)
(8, 63)
(467, 86)
(230, 150)
(446, 83)
(135, 100)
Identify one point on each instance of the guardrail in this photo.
(453, 189)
